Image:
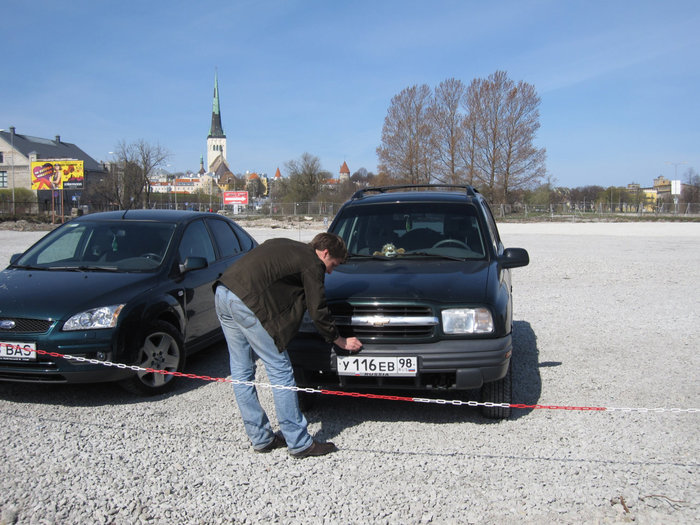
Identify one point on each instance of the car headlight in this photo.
(467, 321)
(103, 317)
(307, 325)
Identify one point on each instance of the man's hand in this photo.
(351, 344)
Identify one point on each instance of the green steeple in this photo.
(216, 130)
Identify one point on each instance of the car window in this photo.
(196, 243)
(491, 225)
(63, 248)
(430, 228)
(120, 245)
(226, 239)
(244, 239)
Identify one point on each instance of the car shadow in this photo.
(336, 413)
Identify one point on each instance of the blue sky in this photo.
(619, 80)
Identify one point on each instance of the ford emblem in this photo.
(6, 324)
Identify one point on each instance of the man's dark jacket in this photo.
(278, 281)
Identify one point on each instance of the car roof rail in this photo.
(470, 190)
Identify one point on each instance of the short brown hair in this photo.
(331, 242)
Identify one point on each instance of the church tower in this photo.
(216, 141)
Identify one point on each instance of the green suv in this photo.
(426, 288)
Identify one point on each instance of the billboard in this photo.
(59, 174)
(675, 187)
(235, 197)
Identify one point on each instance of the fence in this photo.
(600, 210)
(328, 209)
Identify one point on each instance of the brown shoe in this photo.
(277, 442)
(316, 449)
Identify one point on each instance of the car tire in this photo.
(497, 392)
(161, 348)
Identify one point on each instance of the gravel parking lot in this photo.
(606, 315)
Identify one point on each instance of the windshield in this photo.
(417, 229)
(101, 245)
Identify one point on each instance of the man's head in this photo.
(330, 249)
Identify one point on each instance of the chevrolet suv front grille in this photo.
(377, 321)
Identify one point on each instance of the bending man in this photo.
(260, 302)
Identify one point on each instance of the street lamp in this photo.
(12, 173)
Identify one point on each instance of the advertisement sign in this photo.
(675, 187)
(59, 174)
(235, 197)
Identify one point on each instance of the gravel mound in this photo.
(606, 315)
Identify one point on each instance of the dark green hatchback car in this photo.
(426, 288)
(130, 287)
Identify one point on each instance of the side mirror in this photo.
(193, 263)
(14, 257)
(514, 258)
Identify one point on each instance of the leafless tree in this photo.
(447, 132)
(502, 121)
(305, 178)
(522, 162)
(148, 158)
(486, 108)
(134, 164)
(406, 153)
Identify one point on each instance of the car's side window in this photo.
(491, 224)
(243, 238)
(226, 239)
(196, 243)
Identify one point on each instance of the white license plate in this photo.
(17, 351)
(377, 366)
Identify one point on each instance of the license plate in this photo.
(377, 366)
(17, 351)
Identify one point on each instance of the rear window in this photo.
(448, 229)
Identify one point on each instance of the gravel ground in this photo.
(605, 315)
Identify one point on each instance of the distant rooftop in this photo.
(49, 149)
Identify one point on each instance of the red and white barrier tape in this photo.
(455, 402)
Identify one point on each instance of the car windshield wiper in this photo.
(28, 267)
(367, 256)
(84, 268)
(437, 255)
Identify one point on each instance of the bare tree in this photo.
(305, 178)
(148, 158)
(405, 152)
(500, 128)
(469, 145)
(447, 133)
(134, 164)
(691, 190)
(522, 163)
(486, 108)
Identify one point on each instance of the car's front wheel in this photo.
(498, 392)
(161, 348)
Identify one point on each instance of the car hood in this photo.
(60, 294)
(415, 279)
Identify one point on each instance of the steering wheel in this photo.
(151, 256)
(451, 241)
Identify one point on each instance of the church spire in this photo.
(216, 130)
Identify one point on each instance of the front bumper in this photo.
(449, 364)
(48, 369)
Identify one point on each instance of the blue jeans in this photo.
(246, 339)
